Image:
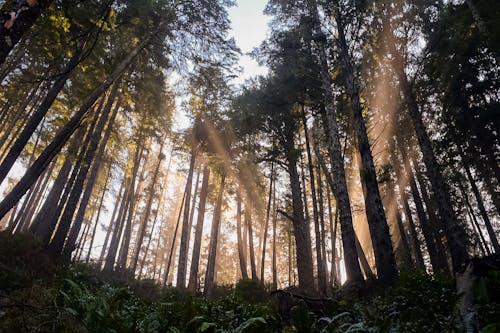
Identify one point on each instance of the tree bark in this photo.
(318, 239)
(112, 223)
(37, 116)
(46, 219)
(266, 225)
(71, 241)
(379, 229)
(147, 211)
(248, 223)
(184, 245)
(195, 259)
(119, 223)
(480, 204)
(99, 210)
(65, 133)
(241, 251)
(454, 231)
(212, 254)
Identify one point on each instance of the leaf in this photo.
(252, 325)
(207, 327)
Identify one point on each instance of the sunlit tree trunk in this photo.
(338, 186)
(318, 239)
(150, 238)
(353, 270)
(248, 223)
(241, 245)
(195, 258)
(112, 223)
(147, 211)
(94, 170)
(212, 254)
(321, 213)
(184, 245)
(379, 230)
(300, 225)
(173, 248)
(132, 212)
(424, 223)
(266, 225)
(128, 193)
(99, 210)
(405, 246)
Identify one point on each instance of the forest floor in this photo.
(37, 295)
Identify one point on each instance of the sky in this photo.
(249, 28)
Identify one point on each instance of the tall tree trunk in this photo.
(473, 216)
(87, 156)
(480, 204)
(454, 231)
(147, 211)
(90, 159)
(266, 225)
(334, 278)
(413, 231)
(353, 271)
(119, 223)
(424, 223)
(300, 225)
(248, 223)
(46, 219)
(241, 245)
(338, 186)
(132, 212)
(212, 254)
(405, 246)
(435, 224)
(66, 132)
(322, 227)
(171, 253)
(99, 210)
(318, 239)
(274, 266)
(184, 245)
(150, 238)
(112, 223)
(38, 115)
(94, 169)
(379, 229)
(195, 258)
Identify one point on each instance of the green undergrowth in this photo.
(39, 296)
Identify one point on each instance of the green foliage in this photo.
(251, 291)
(36, 296)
